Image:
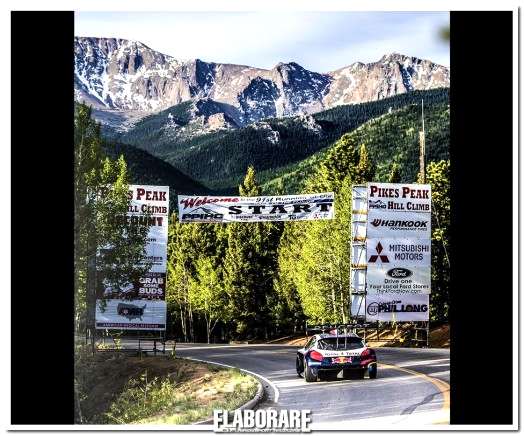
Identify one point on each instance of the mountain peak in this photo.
(395, 57)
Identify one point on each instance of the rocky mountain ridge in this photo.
(126, 79)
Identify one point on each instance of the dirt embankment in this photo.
(118, 388)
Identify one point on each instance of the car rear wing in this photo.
(336, 329)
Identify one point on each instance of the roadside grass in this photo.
(168, 402)
(114, 388)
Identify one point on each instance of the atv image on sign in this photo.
(130, 311)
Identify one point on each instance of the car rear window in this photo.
(343, 343)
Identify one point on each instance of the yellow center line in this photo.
(442, 386)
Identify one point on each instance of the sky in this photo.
(319, 41)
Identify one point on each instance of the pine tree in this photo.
(249, 267)
(438, 176)
(394, 175)
(366, 168)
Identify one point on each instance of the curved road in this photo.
(412, 385)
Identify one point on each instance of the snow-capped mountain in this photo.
(122, 76)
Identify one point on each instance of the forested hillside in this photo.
(390, 138)
(144, 168)
(219, 160)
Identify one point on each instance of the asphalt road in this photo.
(412, 385)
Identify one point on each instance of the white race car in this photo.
(325, 355)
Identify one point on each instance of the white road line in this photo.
(275, 389)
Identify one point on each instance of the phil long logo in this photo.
(375, 257)
(262, 420)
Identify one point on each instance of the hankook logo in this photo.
(400, 224)
(399, 273)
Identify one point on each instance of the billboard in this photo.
(398, 251)
(207, 209)
(384, 279)
(397, 307)
(149, 203)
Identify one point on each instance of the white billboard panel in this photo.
(398, 197)
(204, 209)
(148, 205)
(131, 314)
(397, 307)
(382, 279)
(384, 224)
(402, 252)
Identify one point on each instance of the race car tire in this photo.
(299, 366)
(353, 374)
(308, 374)
(372, 371)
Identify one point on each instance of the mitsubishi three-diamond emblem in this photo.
(375, 257)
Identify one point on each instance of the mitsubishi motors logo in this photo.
(375, 257)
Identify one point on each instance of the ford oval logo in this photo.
(399, 273)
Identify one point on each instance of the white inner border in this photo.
(243, 5)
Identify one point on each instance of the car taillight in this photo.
(368, 353)
(315, 355)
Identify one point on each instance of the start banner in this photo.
(207, 209)
(397, 307)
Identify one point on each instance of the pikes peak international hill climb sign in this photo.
(391, 251)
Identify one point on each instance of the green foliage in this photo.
(394, 175)
(249, 267)
(438, 176)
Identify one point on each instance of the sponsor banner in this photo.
(383, 224)
(402, 252)
(130, 314)
(203, 209)
(397, 307)
(398, 197)
(383, 279)
(149, 205)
